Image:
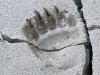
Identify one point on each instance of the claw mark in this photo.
(56, 10)
(38, 15)
(29, 23)
(30, 30)
(46, 12)
(41, 27)
(60, 16)
(51, 23)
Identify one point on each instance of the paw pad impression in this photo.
(54, 31)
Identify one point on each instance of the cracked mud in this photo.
(56, 29)
(51, 33)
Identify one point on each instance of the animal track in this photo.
(53, 31)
